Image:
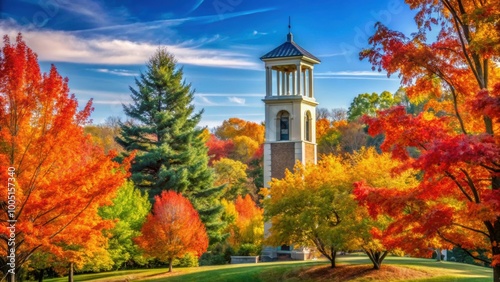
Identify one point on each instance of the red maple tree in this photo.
(172, 229)
(218, 149)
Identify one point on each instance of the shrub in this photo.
(188, 260)
(220, 254)
(248, 250)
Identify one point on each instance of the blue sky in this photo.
(102, 45)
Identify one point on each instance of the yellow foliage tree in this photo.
(232, 174)
(314, 205)
(245, 148)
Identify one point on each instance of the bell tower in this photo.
(290, 118)
(290, 109)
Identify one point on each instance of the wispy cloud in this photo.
(349, 73)
(203, 104)
(204, 101)
(156, 24)
(85, 10)
(333, 54)
(355, 77)
(239, 114)
(102, 97)
(110, 102)
(119, 72)
(196, 6)
(239, 101)
(212, 123)
(89, 10)
(62, 46)
(230, 94)
(359, 75)
(255, 33)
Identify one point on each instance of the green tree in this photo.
(171, 152)
(369, 104)
(130, 209)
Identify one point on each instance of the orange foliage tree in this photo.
(246, 230)
(234, 127)
(456, 136)
(247, 137)
(57, 177)
(173, 229)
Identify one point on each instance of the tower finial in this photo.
(289, 36)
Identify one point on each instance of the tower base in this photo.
(276, 254)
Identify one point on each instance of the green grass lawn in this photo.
(288, 271)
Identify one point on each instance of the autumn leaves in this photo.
(62, 178)
(316, 204)
(173, 229)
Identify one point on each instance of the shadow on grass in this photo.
(249, 273)
(289, 271)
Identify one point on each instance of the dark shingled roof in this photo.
(288, 49)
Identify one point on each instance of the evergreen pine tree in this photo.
(170, 152)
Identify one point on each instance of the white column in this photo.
(305, 87)
(311, 87)
(294, 85)
(283, 91)
(278, 82)
(268, 82)
(287, 83)
(298, 80)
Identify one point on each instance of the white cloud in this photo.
(210, 123)
(109, 102)
(239, 101)
(100, 94)
(102, 97)
(333, 54)
(361, 75)
(87, 10)
(90, 11)
(349, 73)
(230, 94)
(62, 46)
(355, 77)
(239, 114)
(205, 101)
(259, 33)
(119, 72)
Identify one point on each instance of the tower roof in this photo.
(289, 49)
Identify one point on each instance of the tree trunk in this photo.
(70, 276)
(170, 262)
(12, 277)
(496, 273)
(376, 257)
(334, 255)
(438, 254)
(40, 275)
(495, 249)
